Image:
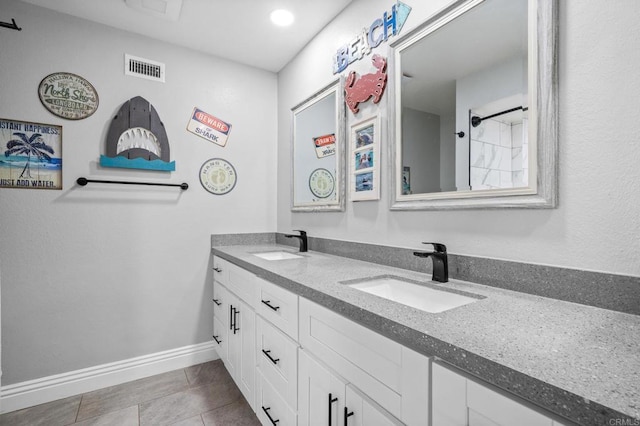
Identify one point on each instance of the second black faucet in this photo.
(302, 237)
(440, 261)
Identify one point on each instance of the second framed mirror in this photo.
(317, 153)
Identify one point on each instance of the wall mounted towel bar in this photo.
(82, 181)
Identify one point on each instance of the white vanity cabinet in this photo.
(373, 367)
(459, 401)
(234, 324)
(299, 363)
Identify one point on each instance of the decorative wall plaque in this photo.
(218, 176)
(68, 95)
(32, 155)
(209, 127)
(389, 24)
(136, 139)
(322, 183)
(361, 89)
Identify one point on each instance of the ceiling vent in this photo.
(165, 9)
(143, 68)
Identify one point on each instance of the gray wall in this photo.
(105, 273)
(597, 223)
(421, 150)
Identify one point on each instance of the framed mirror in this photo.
(473, 112)
(317, 151)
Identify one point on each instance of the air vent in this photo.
(165, 9)
(143, 68)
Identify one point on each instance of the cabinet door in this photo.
(321, 395)
(242, 347)
(362, 411)
(449, 397)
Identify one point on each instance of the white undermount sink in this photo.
(277, 255)
(415, 295)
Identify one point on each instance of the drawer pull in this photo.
(347, 414)
(217, 302)
(217, 269)
(216, 339)
(268, 303)
(235, 320)
(331, 401)
(266, 353)
(266, 411)
(231, 309)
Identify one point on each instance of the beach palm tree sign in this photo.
(31, 155)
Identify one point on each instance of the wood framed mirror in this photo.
(317, 151)
(473, 108)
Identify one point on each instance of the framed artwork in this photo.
(364, 160)
(32, 155)
(406, 180)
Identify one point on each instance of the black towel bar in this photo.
(82, 181)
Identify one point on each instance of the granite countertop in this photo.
(578, 361)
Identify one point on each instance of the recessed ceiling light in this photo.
(281, 17)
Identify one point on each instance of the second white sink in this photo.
(277, 255)
(415, 295)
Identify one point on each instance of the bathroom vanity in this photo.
(307, 346)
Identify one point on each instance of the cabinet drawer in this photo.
(370, 361)
(220, 339)
(279, 306)
(220, 300)
(485, 404)
(220, 270)
(278, 361)
(243, 284)
(271, 409)
(457, 400)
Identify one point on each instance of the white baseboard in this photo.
(51, 388)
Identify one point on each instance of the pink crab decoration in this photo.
(359, 90)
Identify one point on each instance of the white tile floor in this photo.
(202, 395)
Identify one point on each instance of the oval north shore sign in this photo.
(68, 95)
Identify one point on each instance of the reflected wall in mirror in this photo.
(467, 118)
(318, 140)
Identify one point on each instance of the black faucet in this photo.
(302, 237)
(440, 263)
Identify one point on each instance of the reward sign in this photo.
(209, 127)
(325, 145)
